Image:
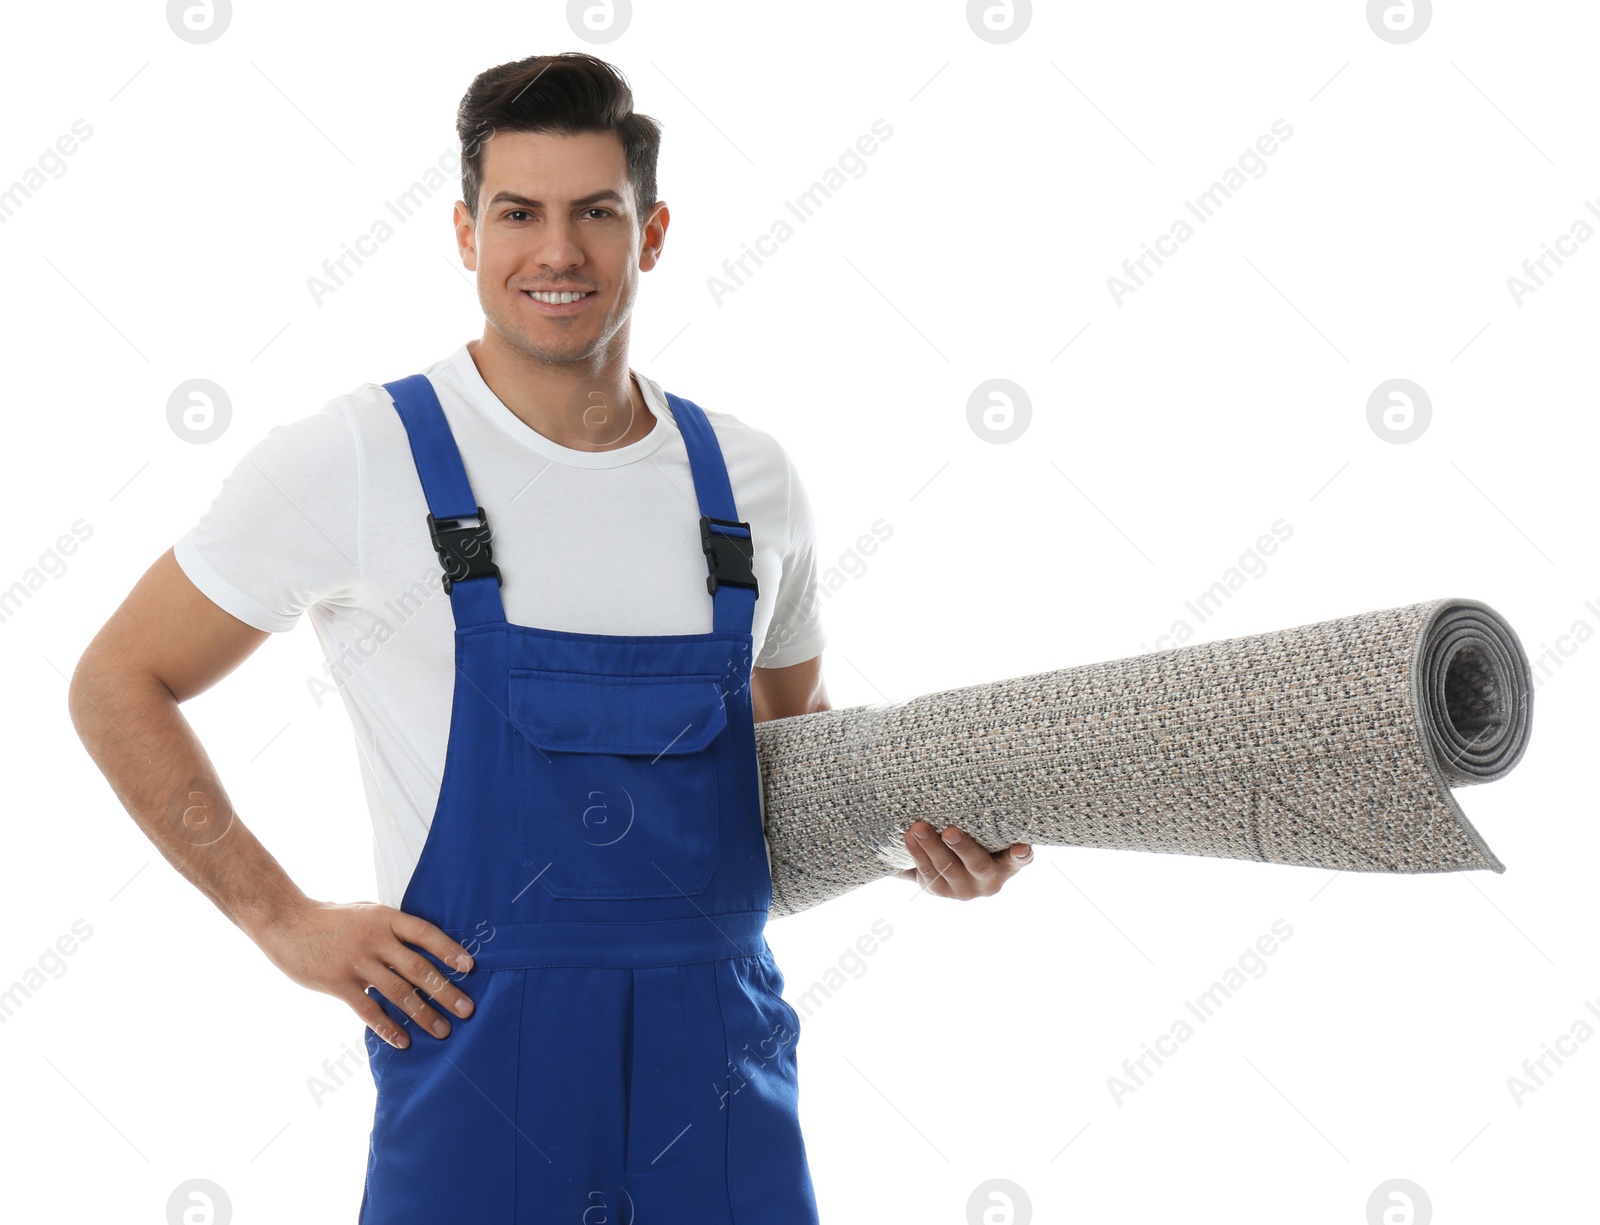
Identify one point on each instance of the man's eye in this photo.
(513, 213)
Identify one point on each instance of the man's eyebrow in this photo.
(599, 197)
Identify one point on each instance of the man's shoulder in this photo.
(363, 413)
(742, 440)
(331, 442)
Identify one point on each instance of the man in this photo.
(559, 755)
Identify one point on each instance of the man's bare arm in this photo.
(165, 644)
(777, 693)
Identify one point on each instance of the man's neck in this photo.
(569, 405)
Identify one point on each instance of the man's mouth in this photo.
(560, 297)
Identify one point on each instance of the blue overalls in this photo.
(598, 848)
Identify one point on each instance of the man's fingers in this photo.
(1008, 862)
(416, 930)
(395, 989)
(410, 930)
(922, 871)
(945, 870)
(958, 866)
(405, 997)
(377, 1020)
(426, 975)
(987, 872)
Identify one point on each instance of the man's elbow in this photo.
(779, 693)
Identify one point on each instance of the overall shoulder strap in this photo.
(456, 523)
(727, 543)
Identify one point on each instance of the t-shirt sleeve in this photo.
(281, 533)
(795, 634)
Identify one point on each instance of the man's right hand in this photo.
(342, 948)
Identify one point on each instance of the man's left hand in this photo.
(954, 866)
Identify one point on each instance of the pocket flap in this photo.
(573, 712)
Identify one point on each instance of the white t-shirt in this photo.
(327, 514)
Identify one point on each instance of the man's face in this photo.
(557, 212)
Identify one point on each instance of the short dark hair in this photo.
(570, 92)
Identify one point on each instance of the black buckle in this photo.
(729, 558)
(463, 551)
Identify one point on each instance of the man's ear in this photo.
(654, 238)
(466, 236)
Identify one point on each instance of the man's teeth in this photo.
(563, 296)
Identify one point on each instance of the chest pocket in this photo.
(617, 781)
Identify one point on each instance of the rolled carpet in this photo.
(1330, 745)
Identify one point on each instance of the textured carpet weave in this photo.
(1331, 745)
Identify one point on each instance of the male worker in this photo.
(559, 755)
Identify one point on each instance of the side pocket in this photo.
(793, 1014)
(776, 984)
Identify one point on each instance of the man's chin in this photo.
(552, 341)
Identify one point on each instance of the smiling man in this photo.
(574, 1013)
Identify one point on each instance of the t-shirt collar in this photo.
(479, 395)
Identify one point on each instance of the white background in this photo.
(1229, 391)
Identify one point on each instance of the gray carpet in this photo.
(1331, 745)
